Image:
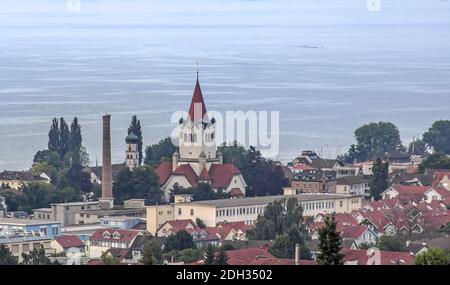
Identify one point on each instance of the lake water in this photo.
(327, 66)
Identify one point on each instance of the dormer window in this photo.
(106, 235)
(116, 235)
(203, 234)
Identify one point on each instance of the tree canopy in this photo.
(438, 137)
(179, 241)
(379, 181)
(156, 153)
(140, 183)
(330, 244)
(433, 256)
(374, 140)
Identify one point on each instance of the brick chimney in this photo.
(107, 198)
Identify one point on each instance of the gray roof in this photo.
(115, 169)
(441, 242)
(117, 211)
(323, 163)
(352, 180)
(20, 175)
(268, 199)
(132, 138)
(315, 175)
(25, 222)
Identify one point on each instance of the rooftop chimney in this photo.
(107, 198)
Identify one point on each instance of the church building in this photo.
(198, 160)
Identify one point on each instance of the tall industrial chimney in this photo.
(107, 198)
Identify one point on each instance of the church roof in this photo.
(219, 174)
(197, 109)
(132, 138)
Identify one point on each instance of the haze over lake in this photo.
(328, 66)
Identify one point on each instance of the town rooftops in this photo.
(351, 180)
(75, 204)
(25, 222)
(269, 199)
(19, 175)
(69, 241)
(115, 235)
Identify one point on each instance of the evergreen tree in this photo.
(53, 136)
(37, 257)
(64, 137)
(209, 255)
(433, 256)
(221, 258)
(6, 258)
(75, 142)
(330, 244)
(135, 128)
(379, 181)
(181, 240)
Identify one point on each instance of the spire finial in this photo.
(197, 70)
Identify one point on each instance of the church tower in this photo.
(131, 152)
(197, 137)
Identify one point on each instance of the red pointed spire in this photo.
(197, 110)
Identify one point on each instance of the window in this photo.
(179, 211)
(43, 230)
(341, 203)
(192, 212)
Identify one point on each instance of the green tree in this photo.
(374, 140)
(263, 176)
(135, 128)
(107, 259)
(200, 223)
(75, 142)
(53, 136)
(152, 252)
(433, 256)
(435, 161)
(189, 255)
(209, 255)
(278, 217)
(181, 240)
(379, 181)
(417, 147)
(37, 257)
(156, 153)
(221, 258)
(141, 183)
(6, 258)
(330, 244)
(284, 245)
(64, 138)
(438, 137)
(392, 243)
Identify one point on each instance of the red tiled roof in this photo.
(408, 194)
(236, 192)
(164, 170)
(302, 167)
(187, 171)
(352, 231)
(69, 241)
(221, 174)
(438, 176)
(204, 175)
(125, 235)
(177, 225)
(386, 257)
(197, 109)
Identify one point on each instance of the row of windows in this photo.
(114, 244)
(193, 137)
(318, 205)
(169, 212)
(240, 211)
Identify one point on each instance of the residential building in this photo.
(314, 181)
(375, 257)
(103, 240)
(26, 227)
(354, 185)
(121, 222)
(69, 245)
(247, 209)
(25, 244)
(17, 179)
